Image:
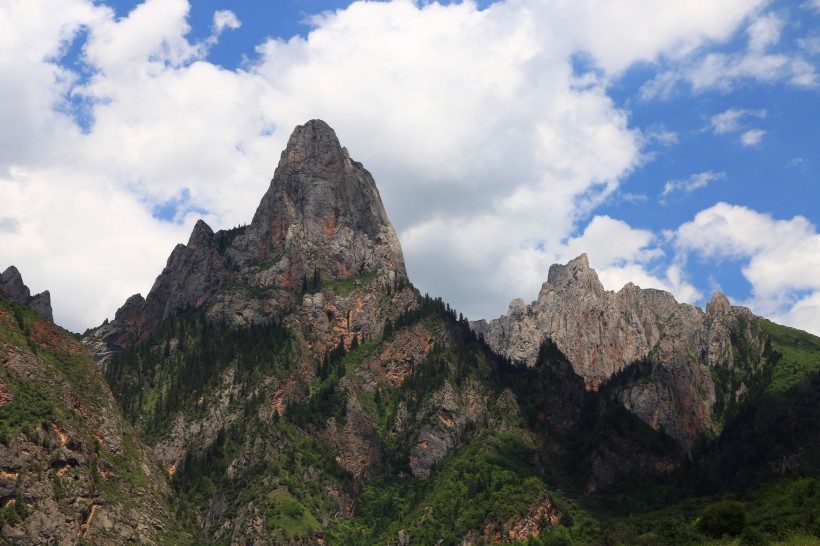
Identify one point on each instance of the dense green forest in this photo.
(188, 358)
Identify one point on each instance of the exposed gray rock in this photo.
(12, 286)
(602, 332)
(446, 415)
(14, 290)
(323, 212)
(321, 220)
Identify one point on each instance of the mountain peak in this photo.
(201, 234)
(11, 283)
(718, 304)
(14, 289)
(321, 219)
(575, 275)
(313, 139)
(324, 211)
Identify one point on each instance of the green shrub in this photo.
(722, 518)
(752, 536)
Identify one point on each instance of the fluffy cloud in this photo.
(223, 19)
(619, 33)
(782, 258)
(764, 32)
(706, 70)
(804, 314)
(811, 5)
(733, 120)
(490, 150)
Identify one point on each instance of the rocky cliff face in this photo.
(13, 289)
(71, 469)
(320, 221)
(323, 214)
(603, 332)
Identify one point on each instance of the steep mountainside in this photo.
(679, 349)
(294, 377)
(71, 468)
(297, 389)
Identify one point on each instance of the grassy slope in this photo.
(800, 354)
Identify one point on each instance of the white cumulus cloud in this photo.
(782, 258)
(705, 70)
(490, 151)
(225, 18)
(732, 119)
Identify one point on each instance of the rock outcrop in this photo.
(71, 469)
(603, 332)
(14, 290)
(321, 220)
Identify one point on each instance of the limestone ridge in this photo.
(602, 332)
(321, 219)
(14, 290)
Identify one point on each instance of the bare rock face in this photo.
(13, 289)
(520, 527)
(603, 332)
(600, 332)
(321, 220)
(323, 212)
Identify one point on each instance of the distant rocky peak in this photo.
(14, 289)
(574, 277)
(561, 275)
(718, 305)
(12, 286)
(603, 332)
(201, 235)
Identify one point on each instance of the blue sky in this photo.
(675, 144)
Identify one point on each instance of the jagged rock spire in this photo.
(323, 211)
(603, 332)
(321, 218)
